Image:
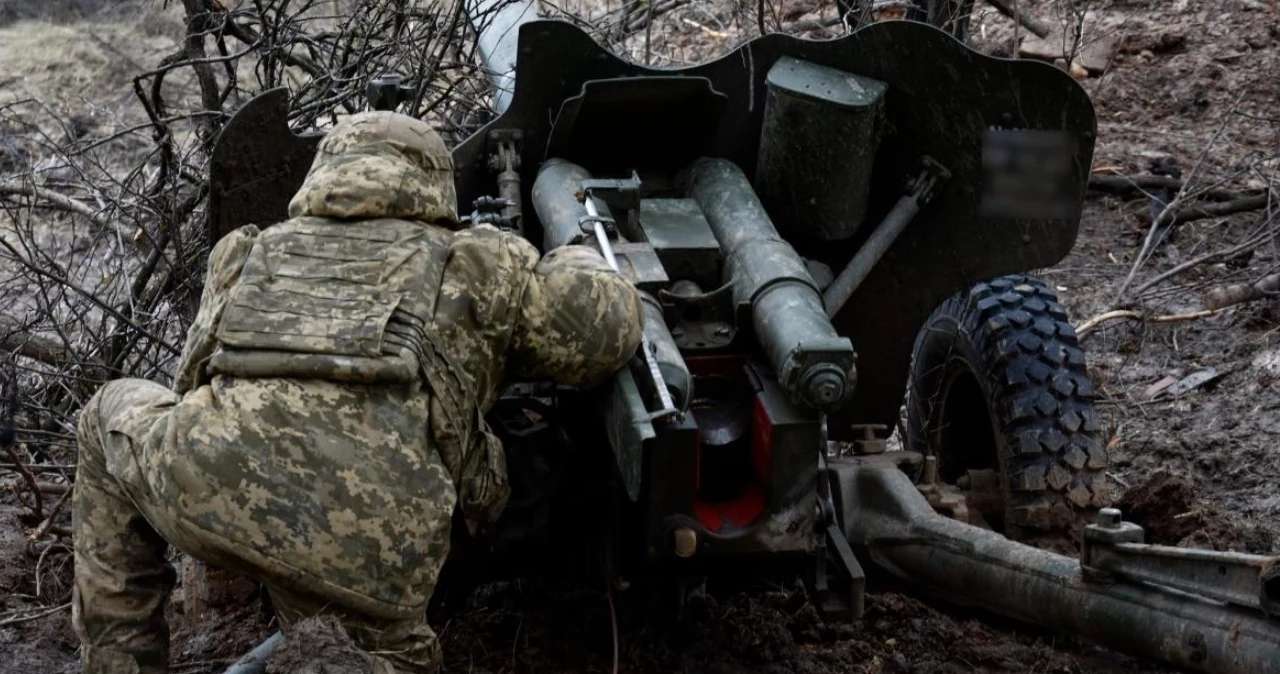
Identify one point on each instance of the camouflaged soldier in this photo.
(326, 416)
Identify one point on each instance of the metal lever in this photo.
(668, 406)
(920, 191)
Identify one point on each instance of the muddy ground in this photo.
(1191, 79)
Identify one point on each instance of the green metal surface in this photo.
(628, 429)
(827, 85)
(682, 239)
(818, 147)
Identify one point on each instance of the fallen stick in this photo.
(1239, 293)
(1091, 324)
(47, 525)
(1200, 212)
(34, 616)
(641, 21)
(52, 488)
(38, 466)
(8, 442)
(1123, 184)
(44, 349)
(65, 203)
(1028, 21)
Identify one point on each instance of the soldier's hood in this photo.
(380, 165)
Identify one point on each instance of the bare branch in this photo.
(1268, 286)
(65, 203)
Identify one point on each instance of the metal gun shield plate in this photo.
(256, 166)
(942, 99)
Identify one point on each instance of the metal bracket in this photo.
(1114, 549)
(701, 320)
(500, 142)
(491, 211)
(622, 196)
(388, 91)
(840, 595)
(587, 224)
(666, 405)
(504, 159)
(923, 186)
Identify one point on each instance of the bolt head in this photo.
(825, 389)
(686, 542)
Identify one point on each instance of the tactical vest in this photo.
(348, 303)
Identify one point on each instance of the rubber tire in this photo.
(1016, 341)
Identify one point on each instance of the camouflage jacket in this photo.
(370, 285)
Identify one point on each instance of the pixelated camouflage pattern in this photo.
(124, 510)
(273, 458)
(380, 165)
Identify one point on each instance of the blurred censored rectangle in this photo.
(1027, 174)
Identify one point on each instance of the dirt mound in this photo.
(1163, 507)
(34, 637)
(1168, 509)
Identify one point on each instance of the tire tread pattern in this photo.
(1038, 385)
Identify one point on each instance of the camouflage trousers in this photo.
(122, 535)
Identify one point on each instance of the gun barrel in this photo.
(497, 24)
(885, 515)
(555, 200)
(813, 362)
(556, 203)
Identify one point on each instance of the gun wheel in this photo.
(1000, 395)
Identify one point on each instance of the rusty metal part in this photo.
(869, 443)
(886, 516)
(945, 499)
(701, 321)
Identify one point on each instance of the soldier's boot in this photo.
(405, 646)
(122, 580)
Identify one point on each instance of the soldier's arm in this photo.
(225, 262)
(579, 320)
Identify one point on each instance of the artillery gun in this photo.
(821, 231)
